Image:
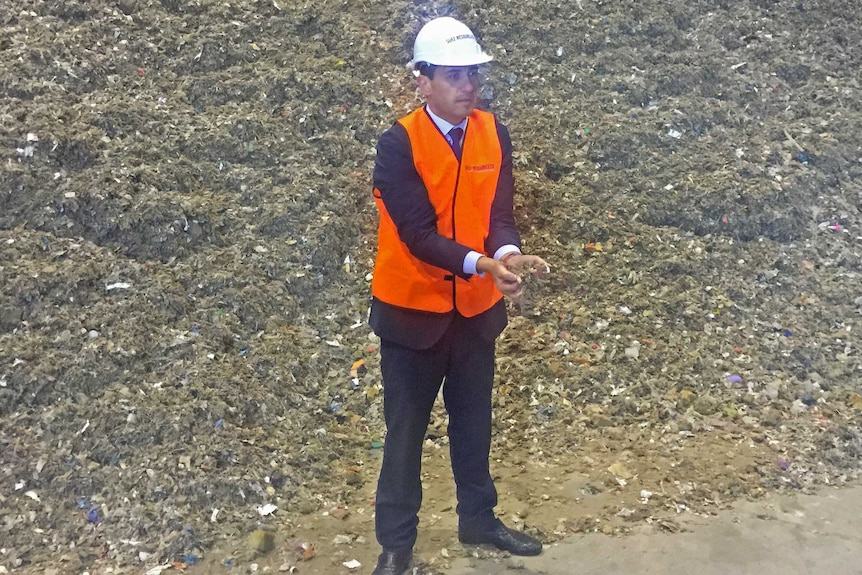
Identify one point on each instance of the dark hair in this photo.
(426, 69)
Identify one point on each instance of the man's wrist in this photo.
(505, 252)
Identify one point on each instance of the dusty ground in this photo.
(773, 535)
(187, 231)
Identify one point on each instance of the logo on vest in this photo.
(481, 168)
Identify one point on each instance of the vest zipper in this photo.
(454, 201)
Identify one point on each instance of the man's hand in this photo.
(522, 264)
(507, 281)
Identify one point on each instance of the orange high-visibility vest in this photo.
(462, 196)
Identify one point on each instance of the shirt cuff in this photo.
(470, 263)
(506, 250)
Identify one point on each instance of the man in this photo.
(447, 246)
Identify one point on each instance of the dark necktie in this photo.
(455, 134)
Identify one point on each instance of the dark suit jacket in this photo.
(406, 199)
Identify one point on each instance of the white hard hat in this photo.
(447, 42)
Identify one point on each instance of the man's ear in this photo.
(424, 83)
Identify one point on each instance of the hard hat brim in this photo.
(470, 60)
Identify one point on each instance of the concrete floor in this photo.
(781, 535)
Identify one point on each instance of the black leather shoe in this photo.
(394, 562)
(501, 537)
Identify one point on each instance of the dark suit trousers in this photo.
(464, 362)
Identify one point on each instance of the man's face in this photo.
(452, 94)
